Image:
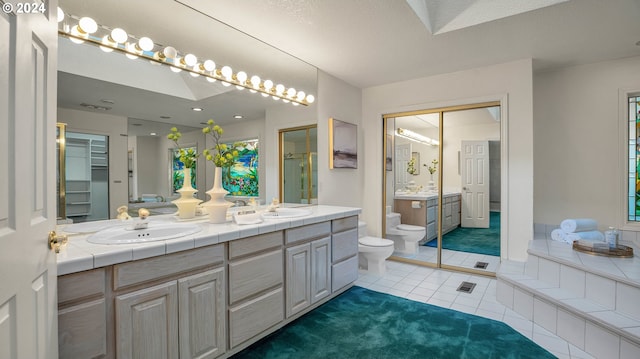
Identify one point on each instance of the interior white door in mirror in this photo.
(403, 156)
(474, 173)
(28, 57)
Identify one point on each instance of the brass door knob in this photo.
(57, 241)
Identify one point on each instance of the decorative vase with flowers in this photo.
(187, 203)
(222, 156)
(432, 169)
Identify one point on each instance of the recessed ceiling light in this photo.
(152, 134)
(107, 101)
(198, 109)
(165, 117)
(136, 124)
(237, 117)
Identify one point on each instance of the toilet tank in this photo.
(393, 219)
(362, 229)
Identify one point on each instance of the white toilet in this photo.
(372, 251)
(405, 236)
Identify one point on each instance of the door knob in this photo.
(56, 241)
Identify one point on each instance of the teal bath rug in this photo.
(473, 240)
(362, 323)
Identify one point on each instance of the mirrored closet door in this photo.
(442, 187)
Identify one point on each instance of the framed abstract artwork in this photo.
(343, 144)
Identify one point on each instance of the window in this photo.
(634, 159)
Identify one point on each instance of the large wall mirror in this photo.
(443, 187)
(132, 104)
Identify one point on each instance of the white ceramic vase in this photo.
(217, 206)
(186, 203)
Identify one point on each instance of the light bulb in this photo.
(310, 98)
(301, 95)
(145, 44)
(209, 65)
(295, 103)
(227, 72)
(131, 48)
(196, 69)
(170, 52)
(107, 44)
(279, 89)
(255, 81)
(226, 84)
(76, 31)
(210, 79)
(60, 14)
(190, 60)
(87, 25)
(175, 69)
(242, 77)
(118, 35)
(291, 92)
(268, 85)
(275, 98)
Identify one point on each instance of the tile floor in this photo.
(439, 287)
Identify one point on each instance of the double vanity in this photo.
(421, 209)
(205, 294)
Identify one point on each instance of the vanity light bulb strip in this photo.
(86, 30)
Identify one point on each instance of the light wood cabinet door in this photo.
(82, 330)
(320, 269)
(147, 323)
(202, 315)
(298, 278)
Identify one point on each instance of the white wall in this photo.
(579, 148)
(510, 83)
(339, 100)
(116, 128)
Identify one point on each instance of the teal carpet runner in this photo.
(362, 323)
(473, 240)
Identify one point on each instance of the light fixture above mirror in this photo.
(85, 29)
(413, 136)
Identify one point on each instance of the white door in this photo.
(28, 62)
(403, 155)
(474, 172)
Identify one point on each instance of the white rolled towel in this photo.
(558, 235)
(595, 236)
(578, 225)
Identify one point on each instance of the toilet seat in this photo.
(375, 242)
(409, 227)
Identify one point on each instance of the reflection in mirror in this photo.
(446, 181)
(135, 103)
(471, 174)
(298, 165)
(411, 219)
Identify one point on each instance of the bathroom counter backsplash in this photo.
(80, 255)
(423, 196)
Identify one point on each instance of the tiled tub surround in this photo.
(210, 294)
(591, 301)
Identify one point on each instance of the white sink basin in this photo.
(287, 213)
(155, 232)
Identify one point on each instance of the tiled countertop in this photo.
(80, 255)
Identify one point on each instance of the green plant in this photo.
(187, 156)
(220, 154)
(434, 166)
(411, 166)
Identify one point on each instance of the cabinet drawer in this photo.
(344, 273)
(81, 285)
(431, 214)
(255, 316)
(82, 330)
(252, 275)
(311, 231)
(131, 273)
(343, 224)
(344, 244)
(255, 244)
